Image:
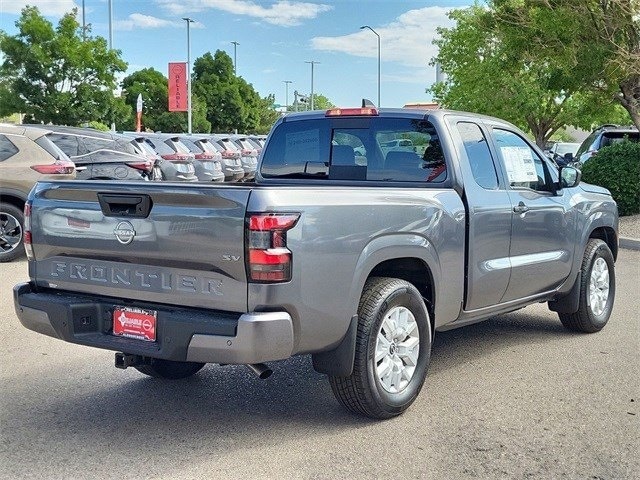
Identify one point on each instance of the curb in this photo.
(629, 243)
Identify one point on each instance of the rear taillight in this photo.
(175, 156)
(268, 258)
(146, 165)
(28, 247)
(230, 154)
(204, 156)
(59, 167)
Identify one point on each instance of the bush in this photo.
(617, 168)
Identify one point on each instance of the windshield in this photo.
(567, 148)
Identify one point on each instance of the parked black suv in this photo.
(603, 137)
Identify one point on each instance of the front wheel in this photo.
(597, 290)
(393, 347)
(169, 369)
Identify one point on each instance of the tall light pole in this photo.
(312, 62)
(376, 34)
(235, 61)
(110, 25)
(189, 22)
(286, 102)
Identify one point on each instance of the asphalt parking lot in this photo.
(513, 397)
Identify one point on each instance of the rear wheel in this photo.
(169, 369)
(11, 237)
(393, 347)
(597, 290)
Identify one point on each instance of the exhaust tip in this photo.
(260, 369)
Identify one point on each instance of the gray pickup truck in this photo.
(341, 249)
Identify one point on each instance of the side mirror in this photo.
(569, 177)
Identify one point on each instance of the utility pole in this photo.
(235, 61)
(84, 24)
(189, 22)
(286, 102)
(312, 62)
(113, 123)
(376, 34)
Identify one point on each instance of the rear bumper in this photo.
(183, 334)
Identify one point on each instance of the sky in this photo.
(275, 39)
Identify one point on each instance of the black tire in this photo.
(363, 392)
(11, 232)
(586, 319)
(169, 369)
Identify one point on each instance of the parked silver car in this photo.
(248, 158)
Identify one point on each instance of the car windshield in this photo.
(563, 148)
(159, 146)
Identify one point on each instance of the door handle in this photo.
(521, 208)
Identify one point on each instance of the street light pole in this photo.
(189, 22)
(110, 25)
(312, 62)
(376, 34)
(235, 62)
(286, 83)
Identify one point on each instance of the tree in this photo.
(598, 41)
(320, 102)
(490, 70)
(231, 102)
(52, 75)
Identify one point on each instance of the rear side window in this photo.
(67, 143)
(612, 138)
(88, 145)
(374, 149)
(479, 155)
(7, 148)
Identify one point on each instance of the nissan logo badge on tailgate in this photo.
(124, 233)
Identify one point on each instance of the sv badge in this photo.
(231, 258)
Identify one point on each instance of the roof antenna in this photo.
(366, 103)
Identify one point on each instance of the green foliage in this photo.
(494, 67)
(231, 102)
(52, 75)
(98, 126)
(154, 88)
(617, 168)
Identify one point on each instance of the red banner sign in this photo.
(178, 87)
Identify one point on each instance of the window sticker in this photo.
(519, 164)
(302, 145)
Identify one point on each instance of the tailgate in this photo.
(156, 242)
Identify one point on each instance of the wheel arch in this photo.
(410, 261)
(607, 235)
(13, 198)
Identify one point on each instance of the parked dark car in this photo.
(563, 153)
(602, 137)
(102, 155)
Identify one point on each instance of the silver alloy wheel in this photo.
(397, 349)
(599, 286)
(10, 232)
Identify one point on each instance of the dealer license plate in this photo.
(135, 323)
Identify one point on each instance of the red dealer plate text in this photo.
(135, 323)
